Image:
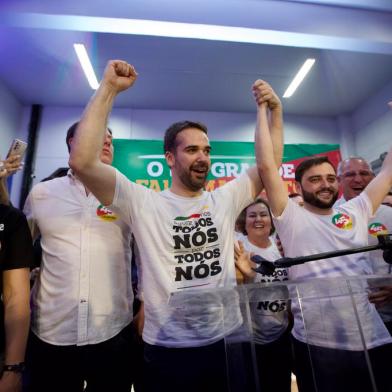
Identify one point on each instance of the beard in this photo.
(313, 200)
(190, 179)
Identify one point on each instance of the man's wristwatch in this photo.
(16, 368)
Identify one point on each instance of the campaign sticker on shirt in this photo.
(185, 218)
(377, 228)
(342, 221)
(105, 214)
(192, 216)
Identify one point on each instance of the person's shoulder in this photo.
(8, 210)
(165, 193)
(384, 210)
(231, 185)
(45, 187)
(55, 182)
(11, 214)
(339, 202)
(123, 182)
(356, 202)
(294, 207)
(384, 213)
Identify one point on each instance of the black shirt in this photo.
(16, 249)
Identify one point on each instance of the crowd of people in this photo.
(96, 228)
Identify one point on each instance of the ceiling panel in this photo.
(39, 66)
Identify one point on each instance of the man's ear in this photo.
(298, 187)
(70, 141)
(170, 158)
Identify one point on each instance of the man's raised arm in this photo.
(87, 144)
(275, 112)
(275, 128)
(269, 145)
(378, 188)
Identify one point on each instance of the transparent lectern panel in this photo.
(339, 338)
(325, 330)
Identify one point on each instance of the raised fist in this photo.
(119, 75)
(264, 93)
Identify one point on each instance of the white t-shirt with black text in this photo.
(329, 319)
(269, 314)
(185, 243)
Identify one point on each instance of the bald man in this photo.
(354, 174)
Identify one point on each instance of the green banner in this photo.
(143, 161)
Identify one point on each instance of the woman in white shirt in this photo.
(270, 316)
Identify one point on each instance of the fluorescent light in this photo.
(86, 65)
(307, 65)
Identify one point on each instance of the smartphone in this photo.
(18, 147)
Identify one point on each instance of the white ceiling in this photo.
(350, 39)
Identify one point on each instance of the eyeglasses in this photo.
(362, 173)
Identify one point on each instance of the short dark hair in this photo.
(241, 220)
(60, 172)
(169, 142)
(308, 163)
(71, 133)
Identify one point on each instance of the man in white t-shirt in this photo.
(325, 321)
(354, 174)
(184, 237)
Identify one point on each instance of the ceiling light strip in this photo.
(86, 65)
(193, 31)
(306, 66)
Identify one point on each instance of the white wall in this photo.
(347, 141)
(10, 116)
(372, 123)
(376, 138)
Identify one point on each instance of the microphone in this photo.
(266, 267)
(385, 243)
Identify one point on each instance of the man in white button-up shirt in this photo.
(82, 299)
